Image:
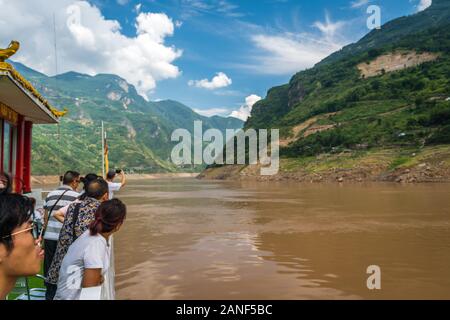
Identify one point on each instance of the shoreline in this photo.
(54, 179)
(427, 165)
(335, 176)
(391, 165)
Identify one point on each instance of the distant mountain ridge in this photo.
(138, 131)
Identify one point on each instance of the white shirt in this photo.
(113, 186)
(87, 252)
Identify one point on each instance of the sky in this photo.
(218, 57)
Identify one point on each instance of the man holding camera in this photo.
(115, 186)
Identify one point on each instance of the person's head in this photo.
(71, 179)
(5, 183)
(110, 175)
(20, 253)
(88, 179)
(97, 189)
(109, 217)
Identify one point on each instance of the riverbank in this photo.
(405, 165)
(45, 180)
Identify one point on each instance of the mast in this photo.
(103, 150)
(56, 73)
(56, 47)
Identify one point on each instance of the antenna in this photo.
(56, 47)
(103, 150)
(56, 73)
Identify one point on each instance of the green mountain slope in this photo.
(403, 107)
(334, 108)
(435, 16)
(138, 131)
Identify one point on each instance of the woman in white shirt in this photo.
(87, 259)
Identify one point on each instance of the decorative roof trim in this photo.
(27, 85)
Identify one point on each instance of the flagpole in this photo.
(103, 151)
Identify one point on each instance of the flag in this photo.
(105, 152)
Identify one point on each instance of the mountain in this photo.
(138, 131)
(379, 105)
(435, 16)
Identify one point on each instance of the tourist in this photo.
(60, 214)
(86, 180)
(20, 251)
(5, 183)
(87, 259)
(77, 219)
(55, 200)
(115, 186)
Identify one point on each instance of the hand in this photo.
(38, 244)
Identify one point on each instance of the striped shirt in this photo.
(54, 226)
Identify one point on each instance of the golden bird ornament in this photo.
(58, 113)
(8, 52)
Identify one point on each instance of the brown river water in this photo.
(191, 239)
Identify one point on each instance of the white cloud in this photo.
(157, 26)
(328, 28)
(288, 53)
(423, 4)
(245, 110)
(359, 3)
(212, 112)
(90, 43)
(221, 80)
(137, 8)
(192, 8)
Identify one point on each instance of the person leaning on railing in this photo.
(87, 260)
(56, 199)
(76, 221)
(20, 248)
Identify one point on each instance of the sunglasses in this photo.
(34, 229)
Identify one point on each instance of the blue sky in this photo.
(253, 44)
(217, 37)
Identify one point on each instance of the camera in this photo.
(118, 171)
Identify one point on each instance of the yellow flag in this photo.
(106, 155)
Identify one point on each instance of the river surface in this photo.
(191, 239)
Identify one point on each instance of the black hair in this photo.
(6, 183)
(109, 215)
(15, 210)
(97, 188)
(86, 181)
(70, 176)
(111, 174)
(88, 178)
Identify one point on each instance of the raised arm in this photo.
(123, 179)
